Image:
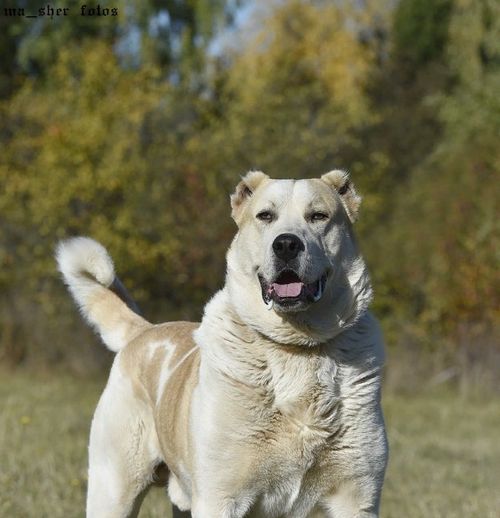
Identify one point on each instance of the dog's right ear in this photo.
(244, 191)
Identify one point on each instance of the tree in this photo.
(445, 224)
(293, 93)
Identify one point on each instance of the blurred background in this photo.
(133, 126)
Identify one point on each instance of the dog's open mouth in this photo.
(289, 290)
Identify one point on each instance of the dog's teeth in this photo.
(270, 304)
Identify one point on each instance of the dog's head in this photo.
(294, 267)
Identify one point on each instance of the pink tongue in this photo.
(288, 290)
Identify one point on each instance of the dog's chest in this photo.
(304, 417)
(305, 394)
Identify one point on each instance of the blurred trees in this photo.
(446, 222)
(295, 92)
(135, 130)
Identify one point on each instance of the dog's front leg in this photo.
(224, 461)
(343, 506)
(358, 498)
(221, 487)
(225, 507)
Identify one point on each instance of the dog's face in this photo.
(295, 247)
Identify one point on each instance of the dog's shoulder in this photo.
(147, 358)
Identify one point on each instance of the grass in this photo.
(445, 452)
(444, 457)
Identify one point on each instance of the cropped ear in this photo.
(341, 182)
(244, 191)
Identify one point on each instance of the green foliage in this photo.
(142, 32)
(100, 160)
(446, 221)
(44, 36)
(142, 156)
(294, 94)
(82, 147)
(420, 30)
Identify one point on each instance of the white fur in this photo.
(349, 371)
(282, 417)
(177, 495)
(88, 270)
(82, 255)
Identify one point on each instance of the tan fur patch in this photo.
(341, 182)
(144, 366)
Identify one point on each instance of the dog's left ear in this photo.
(244, 191)
(341, 182)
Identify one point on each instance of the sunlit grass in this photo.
(445, 452)
(44, 427)
(445, 456)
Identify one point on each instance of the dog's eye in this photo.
(318, 216)
(265, 215)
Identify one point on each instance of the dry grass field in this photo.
(445, 451)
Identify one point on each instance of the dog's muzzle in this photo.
(289, 292)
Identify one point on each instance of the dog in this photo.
(270, 407)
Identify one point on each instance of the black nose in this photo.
(287, 246)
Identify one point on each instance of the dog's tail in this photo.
(88, 271)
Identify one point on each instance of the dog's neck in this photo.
(228, 344)
(348, 298)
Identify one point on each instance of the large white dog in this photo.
(271, 406)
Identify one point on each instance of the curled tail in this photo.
(89, 273)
